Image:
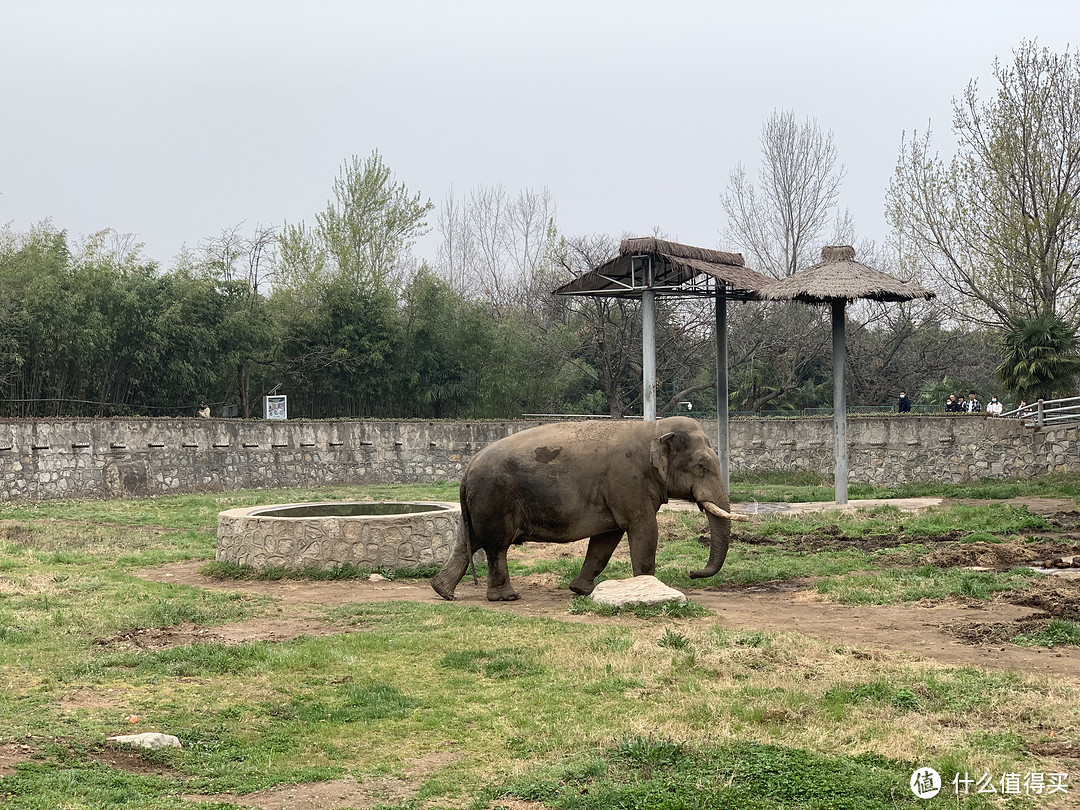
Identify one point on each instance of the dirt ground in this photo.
(948, 631)
(954, 632)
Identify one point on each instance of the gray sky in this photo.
(176, 119)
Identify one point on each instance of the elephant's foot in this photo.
(505, 594)
(444, 586)
(583, 586)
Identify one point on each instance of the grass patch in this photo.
(351, 704)
(995, 519)
(1064, 485)
(200, 510)
(933, 693)
(795, 486)
(1057, 633)
(667, 775)
(895, 586)
(187, 661)
(665, 610)
(501, 663)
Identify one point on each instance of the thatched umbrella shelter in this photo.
(835, 280)
(646, 267)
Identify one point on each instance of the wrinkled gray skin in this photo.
(563, 482)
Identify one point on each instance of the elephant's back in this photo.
(546, 444)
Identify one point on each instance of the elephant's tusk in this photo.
(713, 509)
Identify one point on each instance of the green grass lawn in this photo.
(661, 709)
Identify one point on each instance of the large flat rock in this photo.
(643, 590)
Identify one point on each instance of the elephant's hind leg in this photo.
(499, 587)
(446, 581)
(601, 547)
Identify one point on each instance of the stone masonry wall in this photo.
(106, 458)
(898, 450)
(88, 458)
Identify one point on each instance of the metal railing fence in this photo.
(1048, 411)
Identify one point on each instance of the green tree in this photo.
(458, 360)
(369, 225)
(338, 356)
(190, 327)
(998, 226)
(1042, 356)
(302, 267)
(435, 363)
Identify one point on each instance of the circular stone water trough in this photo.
(327, 535)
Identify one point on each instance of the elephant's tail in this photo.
(467, 528)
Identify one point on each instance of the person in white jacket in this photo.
(993, 407)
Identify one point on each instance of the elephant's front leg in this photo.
(499, 588)
(601, 547)
(642, 536)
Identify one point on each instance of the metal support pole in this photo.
(840, 481)
(722, 436)
(648, 355)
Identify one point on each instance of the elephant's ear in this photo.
(663, 448)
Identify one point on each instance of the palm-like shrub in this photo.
(1042, 357)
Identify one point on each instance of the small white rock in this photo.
(643, 590)
(376, 578)
(149, 739)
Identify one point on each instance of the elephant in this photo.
(566, 481)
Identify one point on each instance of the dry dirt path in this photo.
(921, 630)
(925, 630)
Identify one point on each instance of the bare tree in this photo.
(232, 256)
(496, 247)
(109, 248)
(453, 251)
(607, 328)
(221, 254)
(781, 223)
(779, 351)
(261, 259)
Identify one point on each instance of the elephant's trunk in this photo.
(720, 531)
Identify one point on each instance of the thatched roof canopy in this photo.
(838, 276)
(676, 269)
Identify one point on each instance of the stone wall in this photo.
(47, 459)
(898, 450)
(105, 458)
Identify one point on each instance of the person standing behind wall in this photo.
(904, 404)
(993, 407)
(203, 411)
(972, 405)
